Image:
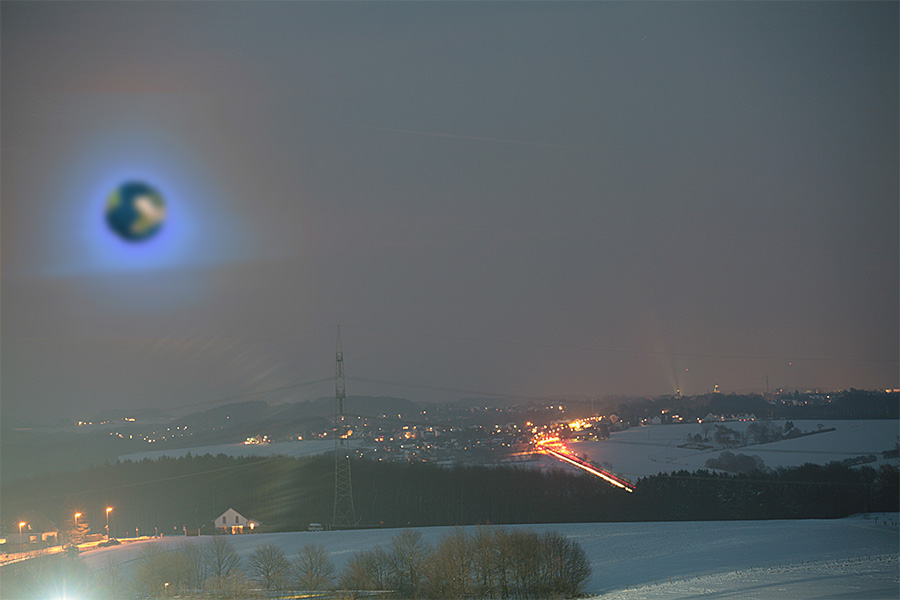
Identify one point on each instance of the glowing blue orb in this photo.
(135, 211)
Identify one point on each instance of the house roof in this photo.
(231, 510)
(36, 520)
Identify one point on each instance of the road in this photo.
(555, 448)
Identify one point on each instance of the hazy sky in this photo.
(528, 199)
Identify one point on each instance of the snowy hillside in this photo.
(643, 451)
(735, 559)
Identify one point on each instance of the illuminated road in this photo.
(559, 452)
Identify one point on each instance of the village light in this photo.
(108, 510)
(21, 525)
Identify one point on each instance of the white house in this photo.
(35, 529)
(231, 521)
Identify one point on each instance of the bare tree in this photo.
(448, 571)
(491, 562)
(564, 567)
(577, 571)
(313, 569)
(159, 571)
(524, 551)
(269, 566)
(111, 581)
(407, 557)
(367, 570)
(193, 556)
(220, 560)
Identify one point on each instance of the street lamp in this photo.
(21, 525)
(108, 510)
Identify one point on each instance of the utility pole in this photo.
(343, 492)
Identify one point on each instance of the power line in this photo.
(257, 393)
(234, 344)
(423, 386)
(609, 349)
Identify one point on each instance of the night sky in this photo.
(524, 199)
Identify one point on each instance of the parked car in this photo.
(109, 542)
(316, 527)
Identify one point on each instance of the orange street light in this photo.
(108, 510)
(21, 525)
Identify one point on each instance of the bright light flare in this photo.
(555, 447)
(604, 475)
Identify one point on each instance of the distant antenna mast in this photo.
(343, 492)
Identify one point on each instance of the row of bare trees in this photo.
(215, 569)
(490, 563)
(311, 569)
(214, 566)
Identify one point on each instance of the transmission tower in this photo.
(343, 492)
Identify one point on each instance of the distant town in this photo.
(479, 431)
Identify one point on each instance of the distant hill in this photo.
(501, 402)
(42, 451)
(234, 421)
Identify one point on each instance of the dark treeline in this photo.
(169, 494)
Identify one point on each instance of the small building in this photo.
(37, 529)
(233, 522)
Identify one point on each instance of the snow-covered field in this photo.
(855, 557)
(643, 451)
(864, 580)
